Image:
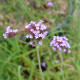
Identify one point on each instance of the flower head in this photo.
(10, 33)
(50, 4)
(36, 31)
(60, 43)
(31, 43)
(43, 64)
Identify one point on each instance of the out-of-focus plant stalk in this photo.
(39, 63)
(62, 63)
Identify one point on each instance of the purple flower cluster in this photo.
(10, 33)
(36, 31)
(60, 43)
(43, 64)
(50, 4)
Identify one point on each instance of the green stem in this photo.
(38, 56)
(63, 78)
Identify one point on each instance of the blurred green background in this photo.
(18, 61)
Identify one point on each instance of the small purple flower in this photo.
(27, 26)
(69, 51)
(5, 35)
(30, 36)
(50, 4)
(10, 33)
(43, 64)
(27, 36)
(31, 43)
(60, 43)
(16, 30)
(45, 33)
(60, 49)
(37, 31)
(43, 27)
(64, 50)
(40, 42)
(54, 48)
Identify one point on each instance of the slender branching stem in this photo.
(24, 42)
(38, 56)
(62, 63)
